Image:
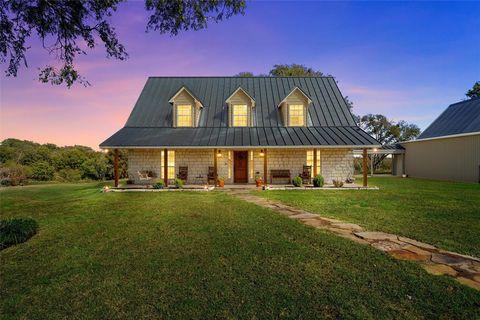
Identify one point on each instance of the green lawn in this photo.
(445, 214)
(201, 256)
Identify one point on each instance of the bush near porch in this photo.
(445, 214)
(204, 256)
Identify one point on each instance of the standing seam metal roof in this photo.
(329, 119)
(458, 118)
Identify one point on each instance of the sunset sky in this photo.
(407, 60)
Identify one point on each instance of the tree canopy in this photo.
(65, 27)
(474, 92)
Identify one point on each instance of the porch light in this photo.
(105, 150)
(375, 149)
(262, 153)
(219, 153)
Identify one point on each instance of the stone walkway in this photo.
(464, 269)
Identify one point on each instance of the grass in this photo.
(445, 214)
(200, 255)
(15, 231)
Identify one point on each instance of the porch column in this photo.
(265, 169)
(165, 166)
(215, 170)
(115, 166)
(365, 167)
(371, 165)
(315, 162)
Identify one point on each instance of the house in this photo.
(449, 149)
(239, 128)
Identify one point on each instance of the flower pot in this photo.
(221, 183)
(258, 183)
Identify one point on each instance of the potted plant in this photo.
(318, 181)
(179, 183)
(297, 181)
(221, 182)
(258, 181)
(159, 185)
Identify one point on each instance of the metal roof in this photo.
(330, 123)
(459, 118)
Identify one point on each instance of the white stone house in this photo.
(241, 128)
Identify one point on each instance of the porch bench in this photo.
(279, 174)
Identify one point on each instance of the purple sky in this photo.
(407, 60)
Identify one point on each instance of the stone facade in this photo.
(334, 163)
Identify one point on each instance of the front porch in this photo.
(238, 167)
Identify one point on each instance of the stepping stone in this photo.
(417, 243)
(376, 236)
(407, 255)
(454, 254)
(440, 269)
(444, 259)
(314, 223)
(386, 246)
(417, 250)
(303, 216)
(348, 226)
(469, 282)
(469, 266)
(331, 220)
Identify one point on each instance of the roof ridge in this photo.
(238, 77)
(467, 100)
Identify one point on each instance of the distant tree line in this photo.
(21, 161)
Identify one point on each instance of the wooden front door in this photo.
(240, 166)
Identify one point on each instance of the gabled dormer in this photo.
(294, 108)
(240, 105)
(186, 108)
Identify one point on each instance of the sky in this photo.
(406, 60)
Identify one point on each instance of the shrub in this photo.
(338, 183)
(159, 185)
(94, 168)
(179, 183)
(297, 181)
(13, 175)
(318, 181)
(42, 170)
(14, 231)
(68, 175)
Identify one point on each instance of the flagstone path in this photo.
(465, 269)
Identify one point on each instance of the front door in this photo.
(240, 166)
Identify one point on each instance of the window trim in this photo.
(246, 115)
(302, 108)
(192, 115)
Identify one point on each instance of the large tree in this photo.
(387, 131)
(66, 27)
(474, 92)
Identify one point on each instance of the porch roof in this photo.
(225, 137)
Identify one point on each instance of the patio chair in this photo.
(306, 175)
(144, 176)
(182, 173)
(211, 175)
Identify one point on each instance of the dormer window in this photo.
(294, 108)
(239, 115)
(186, 109)
(184, 115)
(296, 115)
(240, 105)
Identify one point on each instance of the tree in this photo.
(42, 170)
(63, 28)
(474, 92)
(387, 132)
(294, 70)
(244, 74)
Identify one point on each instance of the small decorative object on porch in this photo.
(350, 178)
(221, 182)
(179, 183)
(105, 189)
(318, 181)
(297, 181)
(258, 181)
(337, 183)
(306, 174)
(159, 185)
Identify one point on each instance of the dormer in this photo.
(294, 108)
(240, 105)
(186, 108)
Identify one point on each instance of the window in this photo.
(184, 115)
(295, 115)
(310, 161)
(170, 163)
(239, 115)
